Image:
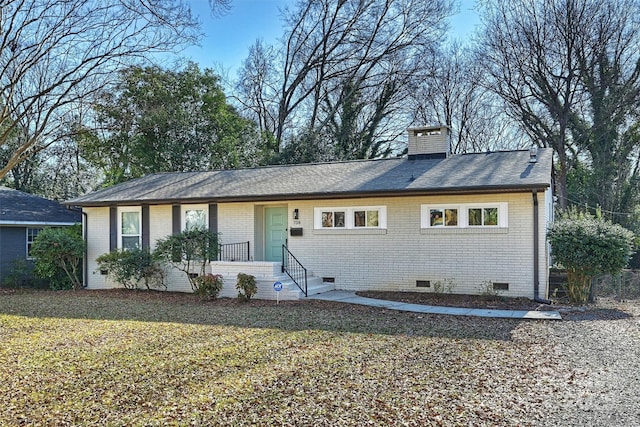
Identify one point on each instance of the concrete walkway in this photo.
(351, 298)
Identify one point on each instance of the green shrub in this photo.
(208, 285)
(58, 254)
(246, 286)
(133, 268)
(188, 251)
(586, 246)
(21, 275)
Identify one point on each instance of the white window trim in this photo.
(349, 222)
(123, 209)
(30, 257)
(463, 215)
(183, 214)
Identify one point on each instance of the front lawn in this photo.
(139, 358)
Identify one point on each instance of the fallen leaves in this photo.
(82, 358)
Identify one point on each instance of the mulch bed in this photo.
(460, 300)
(604, 309)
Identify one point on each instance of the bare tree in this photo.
(358, 126)
(529, 50)
(219, 7)
(337, 48)
(257, 88)
(452, 94)
(568, 72)
(56, 53)
(339, 54)
(606, 126)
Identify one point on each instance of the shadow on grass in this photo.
(151, 306)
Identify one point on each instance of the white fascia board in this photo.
(37, 224)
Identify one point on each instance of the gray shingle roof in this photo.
(478, 172)
(17, 207)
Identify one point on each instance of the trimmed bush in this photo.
(133, 268)
(208, 286)
(188, 251)
(58, 253)
(21, 275)
(586, 246)
(246, 286)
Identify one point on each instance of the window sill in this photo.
(464, 230)
(351, 231)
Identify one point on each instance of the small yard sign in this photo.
(277, 286)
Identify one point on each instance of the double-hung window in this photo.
(361, 217)
(195, 217)
(130, 228)
(32, 233)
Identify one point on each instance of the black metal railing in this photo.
(234, 252)
(294, 269)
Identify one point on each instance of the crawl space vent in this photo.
(500, 286)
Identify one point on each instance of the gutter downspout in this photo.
(85, 258)
(536, 252)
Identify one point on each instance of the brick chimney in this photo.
(429, 142)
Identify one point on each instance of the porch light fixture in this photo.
(296, 214)
(533, 154)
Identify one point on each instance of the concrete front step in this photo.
(266, 274)
(315, 286)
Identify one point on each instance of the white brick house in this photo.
(431, 219)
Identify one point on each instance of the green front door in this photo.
(275, 233)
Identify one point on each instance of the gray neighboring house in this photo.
(427, 222)
(22, 216)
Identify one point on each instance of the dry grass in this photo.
(144, 358)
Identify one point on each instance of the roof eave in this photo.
(318, 196)
(37, 223)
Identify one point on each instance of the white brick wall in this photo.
(360, 260)
(97, 228)
(160, 223)
(236, 224)
(391, 259)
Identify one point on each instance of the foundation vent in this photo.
(500, 286)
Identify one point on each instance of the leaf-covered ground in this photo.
(143, 359)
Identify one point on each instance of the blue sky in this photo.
(227, 38)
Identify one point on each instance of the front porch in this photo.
(266, 274)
